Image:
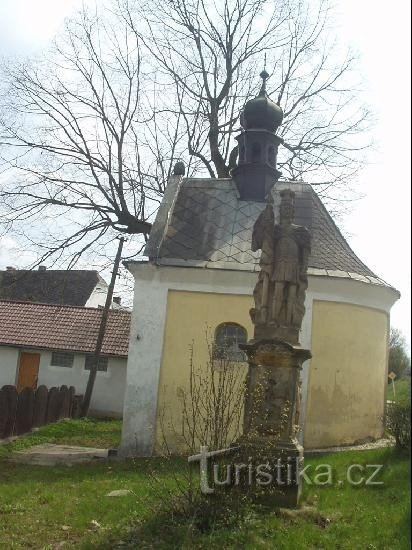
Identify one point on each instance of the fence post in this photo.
(40, 406)
(25, 408)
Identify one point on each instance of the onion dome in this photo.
(261, 112)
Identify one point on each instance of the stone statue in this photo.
(275, 356)
(280, 291)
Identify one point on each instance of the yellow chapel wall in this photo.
(190, 316)
(347, 372)
(347, 375)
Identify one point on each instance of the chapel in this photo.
(195, 289)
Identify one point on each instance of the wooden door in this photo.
(28, 370)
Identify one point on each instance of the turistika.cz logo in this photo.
(281, 473)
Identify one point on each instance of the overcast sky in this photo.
(379, 224)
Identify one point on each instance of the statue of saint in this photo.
(292, 249)
(280, 291)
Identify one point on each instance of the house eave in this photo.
(61, 348)
(253, 268)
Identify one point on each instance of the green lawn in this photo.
(41, 507)
(85, 432)
(360, 517)
(402, 390)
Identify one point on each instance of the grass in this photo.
(402, 390)
(84, 432)
(360, 517)
(349, 517)
(42, 507)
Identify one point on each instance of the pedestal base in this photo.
(271, 418)
(272, 404)
(288, 489)
(276, 469)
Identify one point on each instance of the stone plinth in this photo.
(272, 409)
(272, 404)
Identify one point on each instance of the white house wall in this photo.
(152, 284)
(98, 296)
(108, 393)
(8, 361)
(109, 387)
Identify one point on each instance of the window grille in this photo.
(102, 365)
(228, 336)
(62, 359)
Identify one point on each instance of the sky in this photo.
(378, 225)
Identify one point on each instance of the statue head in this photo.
(287, 207)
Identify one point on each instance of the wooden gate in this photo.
(28, 370)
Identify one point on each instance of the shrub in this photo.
(398, 423)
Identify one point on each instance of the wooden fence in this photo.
(27, 409)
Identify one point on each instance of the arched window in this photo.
(255, 152)
(228, 336)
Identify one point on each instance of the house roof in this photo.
(70, 287)
(64, 328)
(203, 223)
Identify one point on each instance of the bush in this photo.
(398, 423)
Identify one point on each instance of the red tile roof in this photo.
(57, 327)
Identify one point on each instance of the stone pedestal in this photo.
(272, 409)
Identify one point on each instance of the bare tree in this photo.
(89, 133)
(84, 409)
(82, 155)
(212, 52)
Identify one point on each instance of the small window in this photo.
(228, 336)
(62, 359)
(102, 366)
(271, 155)
(255, 152)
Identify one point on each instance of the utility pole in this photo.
(102, 329)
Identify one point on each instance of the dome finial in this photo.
(261, 112)
(264, 75)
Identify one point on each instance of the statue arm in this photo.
(257, 238)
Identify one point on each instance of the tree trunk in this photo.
(216, 156)
(102, 329)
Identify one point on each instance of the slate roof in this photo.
(70, 287)
(202, 223)
(63, 328)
